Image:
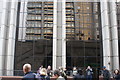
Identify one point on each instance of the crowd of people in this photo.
(60, 74)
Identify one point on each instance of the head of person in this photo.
(43, 71)
(88, 67)
(64, 69)
(60, 69)
(26, 68)
(104, 67)
(56, 73)
(49, 67)
(116, 71)
(74, 68)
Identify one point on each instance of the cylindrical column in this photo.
(106, 35)
(54, 35)
(11, 39)
(59, 35)
(3, 35)
(114, 34)
(63, 34)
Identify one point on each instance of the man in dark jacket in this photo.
(28, 74)
(79, 75)
(105, 73)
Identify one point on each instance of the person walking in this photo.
(89, 73)
(29, 75)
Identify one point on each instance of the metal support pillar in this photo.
(106, 35)
(114, 34)
(59, 35)
(3, 35)
(11, 39)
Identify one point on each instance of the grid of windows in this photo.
(83, 30)
(82, 21)
(40, 20)
(83, 40)
(34, 38)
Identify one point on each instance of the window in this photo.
(82, 41)
(34, 38)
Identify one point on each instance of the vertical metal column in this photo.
(63, 15)
(114, 34)
(59, 34)
(11, 39)
(54, 35)
(106, 35)
(3, 35)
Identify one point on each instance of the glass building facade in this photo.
(35, 35)
(59, 33)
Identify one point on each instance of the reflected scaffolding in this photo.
(34, 38)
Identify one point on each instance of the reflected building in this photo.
(35, 44)
(56, 33)
(84, 19)
(39, 20)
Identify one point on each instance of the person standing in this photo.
(74, 71)
(89, 73)
(42, 75)
(29, 75)
(62, 73)
(38, 71)
(105, 73)
(116, 74)
(79, 75)
(57, 75)
(49, 71)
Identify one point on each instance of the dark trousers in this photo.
(106, 78)
(89, 77)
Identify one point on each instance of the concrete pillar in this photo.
(59, 35)
(11, 39)
(3, 35)
(63, 15)
(114, 34)
(106, 35)
(54, 35)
